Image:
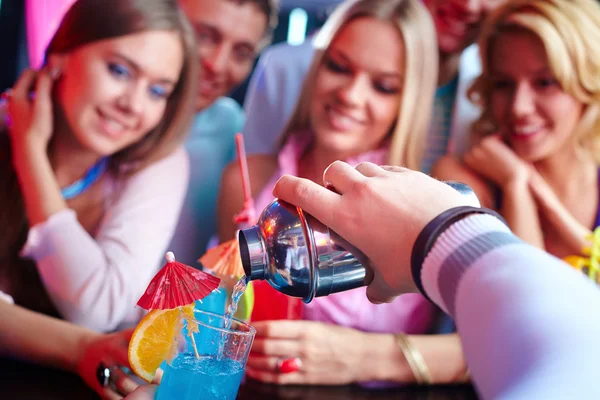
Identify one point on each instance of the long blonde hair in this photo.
(569, 30)
(420, 72)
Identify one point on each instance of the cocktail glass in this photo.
(210, 359)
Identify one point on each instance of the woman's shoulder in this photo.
(175, 162)
(170, 174)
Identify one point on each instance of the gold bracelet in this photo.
(415, 360)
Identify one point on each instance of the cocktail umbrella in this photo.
(224, 260)
(177, 285)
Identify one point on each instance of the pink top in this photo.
(410, 313)
(96, 280)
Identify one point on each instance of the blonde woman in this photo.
(367, 97)
(535, 153)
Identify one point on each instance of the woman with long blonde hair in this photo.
(368, 97)
(534, 154)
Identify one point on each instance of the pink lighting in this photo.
(42, 19)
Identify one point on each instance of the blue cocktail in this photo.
(210, 359)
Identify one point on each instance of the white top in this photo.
(96, 281)
(528, 321)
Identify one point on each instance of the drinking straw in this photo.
(248, 213)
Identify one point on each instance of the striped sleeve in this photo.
(528, 322)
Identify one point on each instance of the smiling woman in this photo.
(367, 97)
(110, 110)
(535, 154)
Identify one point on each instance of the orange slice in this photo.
(153, 340)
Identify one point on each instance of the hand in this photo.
(31, 120)
(111, 350)
(326, 354)
(144, 392)
(381, 211)
(495, 161)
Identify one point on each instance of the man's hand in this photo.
(380, 210)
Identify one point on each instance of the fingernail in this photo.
(289, 365)
(7, 94)
(54, 73)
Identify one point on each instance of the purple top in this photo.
(410, 313)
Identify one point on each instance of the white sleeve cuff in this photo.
(449, 243)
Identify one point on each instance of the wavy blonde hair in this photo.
(569, 30)
(420, 72)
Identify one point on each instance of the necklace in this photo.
(83, 184)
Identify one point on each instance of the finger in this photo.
(312, 198)
(259, 362)
(271, 377)
(126, 334)
(109, 394)
(394, 168)
(276, 347)
(470, 159)
(143, 392)
(24, 85)
(43, 93)
(121, 356)
(341, 177)
(379, 292)
(125, 384)
(280, 329)
(157, 376)
(369, 169)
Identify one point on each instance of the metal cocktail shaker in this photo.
(301, 257)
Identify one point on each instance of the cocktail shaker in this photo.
(301, 257)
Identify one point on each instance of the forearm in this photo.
(514, 329)
(521, 213)
(40, 339)
(573, 233)
(384, 360)
(41, 192)
(96, 281)
(443, 355)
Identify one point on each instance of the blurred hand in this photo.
(31, 119)
(326, 354)
(380, 210)
(111, 350)
(495, 161)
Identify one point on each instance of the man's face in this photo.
(229, 36)
(458, 22)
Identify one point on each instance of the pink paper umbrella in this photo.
(177, 285)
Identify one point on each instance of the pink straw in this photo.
(247, 215)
